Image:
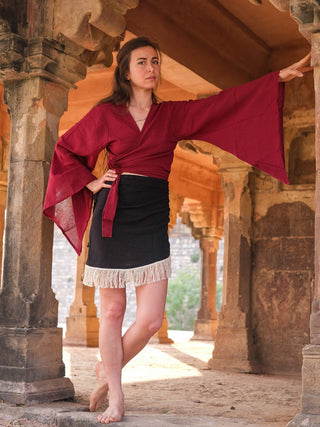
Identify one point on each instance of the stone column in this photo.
(206, 323)
(233, 344)
(206, 225)
(4, 156)
(82, 324)
(31, 366)
(310, 408)
(306, 13)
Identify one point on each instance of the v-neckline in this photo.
(145, 122)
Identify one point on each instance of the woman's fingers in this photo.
(95, 186)
(296, 70)
(304, 64)
(110, 175)
(304, 61)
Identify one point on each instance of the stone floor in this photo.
(167, 385)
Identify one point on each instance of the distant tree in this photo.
(183, 300)
(195, 257)
(219, 296)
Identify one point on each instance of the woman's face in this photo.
(144, 68)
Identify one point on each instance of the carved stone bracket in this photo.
(40, 57)
(282, 5)
(56, 47)
(97, 27)
(176, 202)
(307, 14)
(91, 20)
(203, 219)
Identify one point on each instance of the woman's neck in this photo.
(141, 100)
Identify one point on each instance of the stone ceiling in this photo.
(225, 42)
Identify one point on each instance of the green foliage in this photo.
(183, 300)
(195, 257)
(219, 296)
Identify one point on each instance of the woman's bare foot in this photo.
(115, 410)
(100, 393)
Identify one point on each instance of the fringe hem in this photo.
(118, 278)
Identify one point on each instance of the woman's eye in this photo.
(155, 62)
(141, 62)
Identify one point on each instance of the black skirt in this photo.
(138, 251)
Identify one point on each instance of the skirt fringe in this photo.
(118, 278)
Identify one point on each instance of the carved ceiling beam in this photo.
(224, 58)
(228, 165)
(220, 158)
(195, 177)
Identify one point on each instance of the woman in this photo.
(128, 238)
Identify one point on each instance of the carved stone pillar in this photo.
(233, 344)
(31, 366)
(310, 410)
(206, 226)
(4, 161)
(82, 323)
(306, 13)
(206, 323)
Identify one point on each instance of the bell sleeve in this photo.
(245, 121)
(68, 202)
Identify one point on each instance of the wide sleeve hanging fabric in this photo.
(245, 121)
(68, 202)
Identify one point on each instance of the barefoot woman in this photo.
(128, 241)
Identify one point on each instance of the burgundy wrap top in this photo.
(245, 121)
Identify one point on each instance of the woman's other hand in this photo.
(296, 70)
(99, 183)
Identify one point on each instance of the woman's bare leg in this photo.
(113, 304)
(151, 300)
(150, 309)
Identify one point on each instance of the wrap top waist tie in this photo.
(110, 207)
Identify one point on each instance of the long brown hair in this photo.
(121, 91)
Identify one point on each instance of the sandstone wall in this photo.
(282, 280)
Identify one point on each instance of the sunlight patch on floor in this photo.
(146, 367)
(182, 359)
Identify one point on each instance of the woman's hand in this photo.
(296, 70)
(99, 183)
